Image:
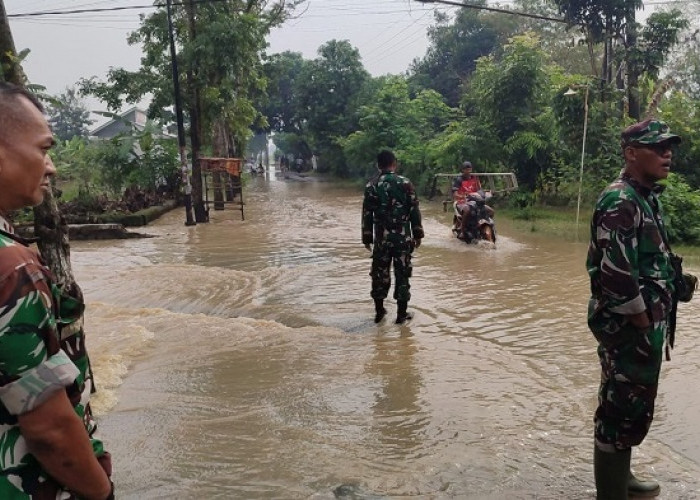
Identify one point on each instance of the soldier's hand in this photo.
(417, 242)
(368, 246)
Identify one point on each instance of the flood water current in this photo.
(239, 359)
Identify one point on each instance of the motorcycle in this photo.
(479, 225)
(254, 171)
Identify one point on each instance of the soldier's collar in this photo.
(5, 225)
(7, 229)
(645, 191)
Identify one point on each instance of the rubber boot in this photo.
(611, 474)
(379, 308)
(402, 315)
(642, 489)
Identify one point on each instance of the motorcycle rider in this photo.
(466, 190)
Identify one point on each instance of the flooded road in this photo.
(239, 359)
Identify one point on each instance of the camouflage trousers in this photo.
(630, 360)
(398, 252)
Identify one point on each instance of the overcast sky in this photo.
(388, 33)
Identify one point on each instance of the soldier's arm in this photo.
(35, 376)
(617, 222)
(368, 207)
(57, 438)
(414, 214)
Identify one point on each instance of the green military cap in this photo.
(648, 132)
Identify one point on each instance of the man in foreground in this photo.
(632, 286)
(391, 220)
(47, 449)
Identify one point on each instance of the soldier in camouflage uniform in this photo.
(391, 220)
(47, 446)
(631, 285)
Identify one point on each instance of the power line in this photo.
(494, 9)
(103, 9)
(395, 35)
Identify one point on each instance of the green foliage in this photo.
(75, 161)
(456, 47)
(397, 121)
(279, 104)
(507, 99)
(328, 94)
(682, 208)
(143, 159)
(682, 113)
(221, 65)
(599, 19)
(657, 38)
(68, 116)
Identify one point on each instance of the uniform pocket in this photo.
(609, 329)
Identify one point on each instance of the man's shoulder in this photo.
(618, 190)
(619, 197)
(398, 179)
(13, 255)
(373, 181)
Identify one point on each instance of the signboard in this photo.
(229, 165)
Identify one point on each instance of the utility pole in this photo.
(189, 221)
(201, 212)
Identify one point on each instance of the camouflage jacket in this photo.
(628, 261)
(42, 350)
(390, 206)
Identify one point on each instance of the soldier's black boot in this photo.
(379, 308)
(402, 314)
(642, 489)
(611, 472)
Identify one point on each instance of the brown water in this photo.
(238, 359)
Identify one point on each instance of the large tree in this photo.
(394, 119)
(628, 49)
(328, 91)
(507, 110)
(68, 116)
(279, 103)
(455, 46)
(220, 46)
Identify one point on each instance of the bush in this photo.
(682, 208)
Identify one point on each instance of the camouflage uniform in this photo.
(630, 273)
(391, 220)
(42, 350)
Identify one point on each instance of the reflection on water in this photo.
(397, 413)
(239, 359)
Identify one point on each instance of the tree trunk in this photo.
(52, 230)
(10, 70)
(219, 150)
(49, 225)
(632, 66)
(201, 213)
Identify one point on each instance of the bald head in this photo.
(25, 140)
(13, 113)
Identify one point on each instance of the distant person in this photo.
(632, 286)
(49, 450)
(391, 220)
(465, 190)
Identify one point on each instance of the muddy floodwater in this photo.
(239, 360)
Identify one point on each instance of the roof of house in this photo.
(134, 116)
